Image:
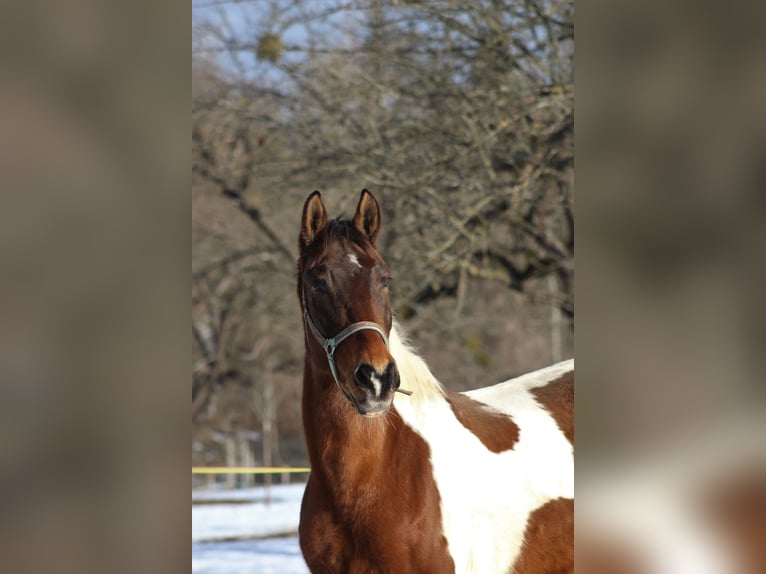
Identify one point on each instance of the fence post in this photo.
(246, 480)
(231, 460)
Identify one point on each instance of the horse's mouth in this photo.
(374, 413)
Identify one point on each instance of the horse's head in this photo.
(343, 286)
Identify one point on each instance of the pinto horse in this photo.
(428, 480)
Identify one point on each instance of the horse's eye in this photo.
(319, 286)
(387, 281)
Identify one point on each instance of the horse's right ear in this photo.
(314, 219)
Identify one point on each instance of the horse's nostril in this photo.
(363, 376)
(392, 374)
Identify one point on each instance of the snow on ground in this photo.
(272, 556)
(254, 494)
(251, 519)
(236, 532)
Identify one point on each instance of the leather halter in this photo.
(330, 344)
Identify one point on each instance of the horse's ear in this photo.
(367, 217)
(314, 219)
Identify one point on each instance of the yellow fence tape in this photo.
(245, 470)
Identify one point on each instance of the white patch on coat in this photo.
(352, 257)
(486, 497)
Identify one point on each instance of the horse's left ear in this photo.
(367, 217)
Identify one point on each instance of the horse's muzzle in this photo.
(378, 388)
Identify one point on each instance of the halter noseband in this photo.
(330, 344)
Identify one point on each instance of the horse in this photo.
(407, 476)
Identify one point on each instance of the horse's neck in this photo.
(351, 452)
(342, 445)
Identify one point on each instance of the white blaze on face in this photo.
(375, 380)
(354, 260)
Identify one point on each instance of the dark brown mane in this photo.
(338, 229)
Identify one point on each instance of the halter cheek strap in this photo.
(330, 344)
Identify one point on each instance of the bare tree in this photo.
(459, 117)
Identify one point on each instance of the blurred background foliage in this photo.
(457, 116)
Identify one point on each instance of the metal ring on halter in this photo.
(329, 345)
